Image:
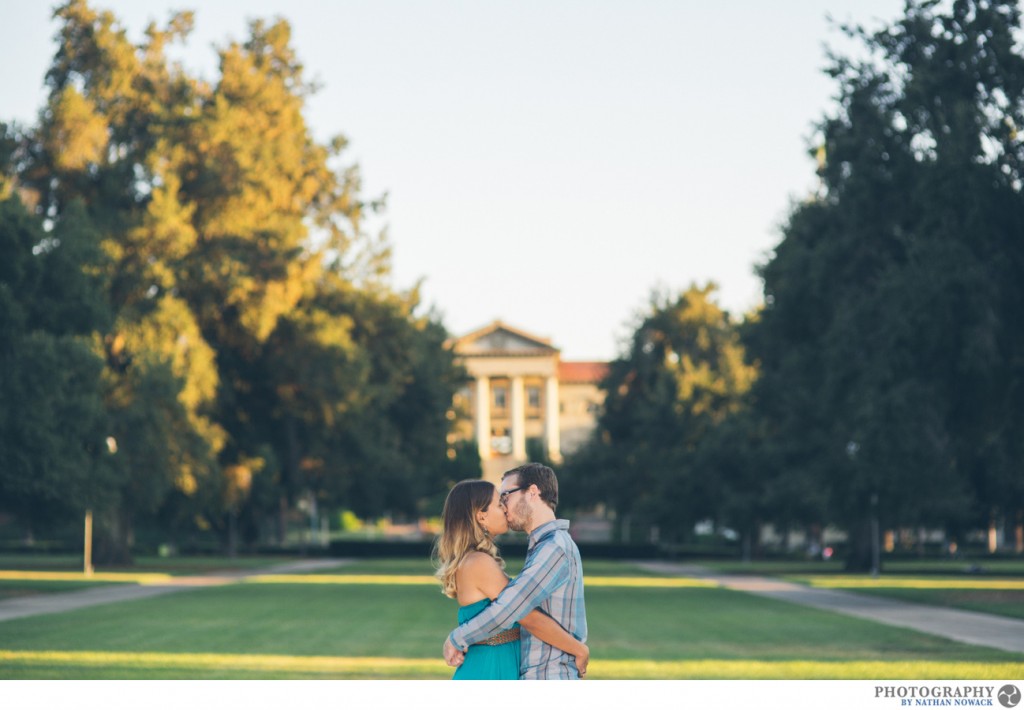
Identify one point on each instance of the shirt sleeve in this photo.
(546, 571)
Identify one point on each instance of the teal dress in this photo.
(484, 662)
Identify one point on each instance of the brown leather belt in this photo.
(504, 637)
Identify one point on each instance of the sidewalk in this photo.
(38, 604)
(966, 626)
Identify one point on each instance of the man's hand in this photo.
(582, 660)
(453, 656)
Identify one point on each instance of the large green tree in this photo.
(255, 353)
(682, 377)
(54, 459)
(889, 343)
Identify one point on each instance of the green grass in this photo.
(72, 565)
(989, 594)
(381, 566)
(143, 564)
(33, 561)
(972, 594)
(383, 630)
(602, 568)
(10, 589)
(973, 568)
(770, 567)
(1002, 602)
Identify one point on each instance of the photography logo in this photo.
(1009, 696)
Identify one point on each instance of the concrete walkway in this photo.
(38, 604)
(966, 626)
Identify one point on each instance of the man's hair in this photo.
(539, 475)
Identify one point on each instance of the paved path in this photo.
(967, 626)
(68, 601)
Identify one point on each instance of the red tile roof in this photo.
(582, 372)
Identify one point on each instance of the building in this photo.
(522, 399)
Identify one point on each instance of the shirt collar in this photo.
(542, 531)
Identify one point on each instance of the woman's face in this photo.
(493, 519)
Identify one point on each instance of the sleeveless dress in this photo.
(484, 662)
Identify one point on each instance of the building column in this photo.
(483, 417)
(518, 419)
(552, 438)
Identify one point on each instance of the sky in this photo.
(547, 163)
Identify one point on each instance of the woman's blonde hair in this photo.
(462, 532)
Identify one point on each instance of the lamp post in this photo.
(87, 552)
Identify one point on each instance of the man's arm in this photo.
(547, 570)
(542, 626)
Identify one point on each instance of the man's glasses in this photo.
(503, 496)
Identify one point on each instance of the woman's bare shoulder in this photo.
(479, 576)
(479, 563)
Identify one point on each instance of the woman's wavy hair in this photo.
(462, 533)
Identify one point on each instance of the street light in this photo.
(87, 552)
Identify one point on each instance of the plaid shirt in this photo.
(551, 580)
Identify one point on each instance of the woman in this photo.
(472, 572)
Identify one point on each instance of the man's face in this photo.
(516, 504)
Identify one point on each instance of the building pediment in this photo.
(499, 339)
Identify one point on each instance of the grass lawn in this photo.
(143, 564)
(11, 589)
(988, 586)
(323, 627)
(989, 601)
(604, 568)
(990, 595)
(972, 568)
(28, 575)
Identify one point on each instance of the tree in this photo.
(254, 353)
(682, 377)
(889, 353)
(53, 427)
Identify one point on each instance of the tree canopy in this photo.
(888, 354)
(207, 258)
(889, 341)
(684, 374)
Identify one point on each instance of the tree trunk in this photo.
(622, 525)
(282, 520)
(114, 544)
(859, 559)
(232, 534)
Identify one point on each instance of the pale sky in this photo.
(547, 163)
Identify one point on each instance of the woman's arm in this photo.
(489, 579)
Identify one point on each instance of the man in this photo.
(551, 580)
